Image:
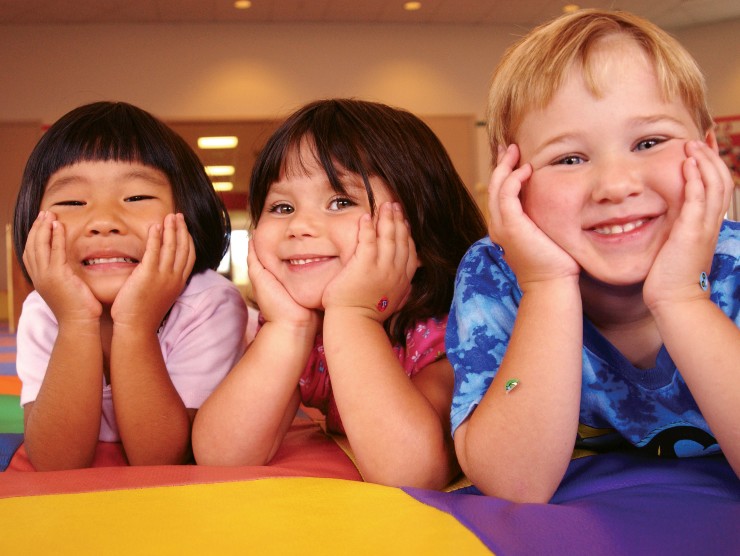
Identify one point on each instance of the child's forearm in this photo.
(63, 424)
(705, 346)
(396, 433)
(245, 420)
(152, 420)
(518, 442)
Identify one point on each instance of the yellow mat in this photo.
(266, 516)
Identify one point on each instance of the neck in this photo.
(622, 317)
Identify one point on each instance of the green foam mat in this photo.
(11, 414)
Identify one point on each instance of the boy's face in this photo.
(607, 182)
(107, 208)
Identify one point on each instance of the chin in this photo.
(615, 281)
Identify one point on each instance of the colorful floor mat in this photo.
(311, 500)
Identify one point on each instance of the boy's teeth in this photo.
(108, 260)
(619, 229)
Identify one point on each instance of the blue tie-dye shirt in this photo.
(652, 409)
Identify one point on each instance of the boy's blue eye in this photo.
(648, 143)
(281, 208)
(570, 160)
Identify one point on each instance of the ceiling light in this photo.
(412, 6)
(242, 4)
(570, 8)
(223, 185)
(220, 170)
(218, 142)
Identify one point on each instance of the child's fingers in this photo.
(58, 254)
(367, 238)
(168, 246)
(506, 162)
(184, 248)
(714, 176)
(34, 242)
(153, 246)
(503, 191)
(412, 262)
(401, 237)
(386, 251)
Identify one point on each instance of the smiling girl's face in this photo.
(107, 208)
(307, 231)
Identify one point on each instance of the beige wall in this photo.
(193, 72)
(16, 142)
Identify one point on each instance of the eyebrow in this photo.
(656, 118)
(634, 122)
(153, 177)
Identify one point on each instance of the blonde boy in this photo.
(603, 313)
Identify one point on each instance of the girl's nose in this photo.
(303, 223)
(104, 221)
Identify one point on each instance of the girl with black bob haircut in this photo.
(359, 222)
(123, 132)
(129, 328)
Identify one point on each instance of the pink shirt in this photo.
(201, 341)
(424, 345)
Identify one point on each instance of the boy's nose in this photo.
(615, 181)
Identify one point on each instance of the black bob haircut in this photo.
(118, 131)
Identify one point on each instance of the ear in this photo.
(711, 140)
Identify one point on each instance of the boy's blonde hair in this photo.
(533, 69)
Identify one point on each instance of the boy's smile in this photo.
(607, 182)
(307, 232)
(107, 208)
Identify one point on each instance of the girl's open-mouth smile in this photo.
(109, 260)
(307, 261)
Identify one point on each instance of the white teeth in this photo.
(306, 261)
(617, 229)
(90, 262)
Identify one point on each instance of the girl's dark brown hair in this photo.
(372, 139)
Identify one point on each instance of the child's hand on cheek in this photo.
(377, 279)
(688, 251)
(160, 277)
(45, 259)
(531, 254)
(273, 300)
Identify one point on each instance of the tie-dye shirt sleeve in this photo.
(652, 409)
(480, 323)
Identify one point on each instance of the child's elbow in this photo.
(495, 482)
(433, 472)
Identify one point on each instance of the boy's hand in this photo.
(377, 279)
(160, 277)
(689, 249)
(45, 259)
(531, 254)
(273, 300)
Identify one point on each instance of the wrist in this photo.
(302, 328)
(79, 327)
(567, 284)
(356, 313)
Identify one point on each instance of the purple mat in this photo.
(612, 505)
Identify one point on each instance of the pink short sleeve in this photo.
(425, 344)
